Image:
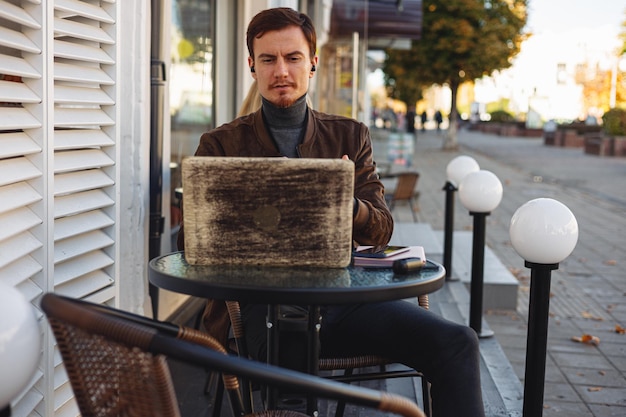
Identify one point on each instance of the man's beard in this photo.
(284, 102)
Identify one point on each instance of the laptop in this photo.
(267, 211)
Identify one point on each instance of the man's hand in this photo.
(356, 200)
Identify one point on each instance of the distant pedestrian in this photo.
(389, 118)
(410, 120)
(438, 119)
(424, 120)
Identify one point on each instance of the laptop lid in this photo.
(268, 211)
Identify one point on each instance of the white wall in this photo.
(134, 155)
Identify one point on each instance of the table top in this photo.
(291, 285)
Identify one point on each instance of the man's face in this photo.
(282, 64)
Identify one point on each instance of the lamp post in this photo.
(20, 345)
(456, 170)
(480, 192)
(543, 232)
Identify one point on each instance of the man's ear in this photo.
(313, 66)
(251, 65)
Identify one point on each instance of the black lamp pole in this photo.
(537, 341)
(478, 268)
(450, 189)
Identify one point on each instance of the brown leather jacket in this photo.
(326, 136)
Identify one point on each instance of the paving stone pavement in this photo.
(588, 290)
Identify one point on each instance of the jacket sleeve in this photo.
(373, 223)
(206, 147)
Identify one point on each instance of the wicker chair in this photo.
(116, 362)
(347, 364)
(405, 191)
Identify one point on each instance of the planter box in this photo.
(571, 138)
(549, 138)
(619, 145)
(533, 132)
(559, 137)
(507, 129)
(598, 144)
(573, 135)
(513, 129)
(490, 127)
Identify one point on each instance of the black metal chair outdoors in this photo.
(346, 364)
(405, 191)
(116, 363)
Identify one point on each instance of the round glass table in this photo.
(292, 285)
(311, 287)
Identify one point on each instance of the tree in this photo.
(461, 40)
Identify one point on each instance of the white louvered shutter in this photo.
(59, 171)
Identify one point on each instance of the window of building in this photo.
(191, 93)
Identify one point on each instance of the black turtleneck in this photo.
(286, 125)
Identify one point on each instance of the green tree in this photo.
(462, 40)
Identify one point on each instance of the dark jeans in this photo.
(445, 352)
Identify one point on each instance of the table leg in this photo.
(313, 354)
(273, 340)
(313, 325)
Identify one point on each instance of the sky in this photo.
(570, 26)
(561, 16)
(564, 33)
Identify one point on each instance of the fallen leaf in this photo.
(594, 389)
(619, 329)
(588, 315)
(588, 339)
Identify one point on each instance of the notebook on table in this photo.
(267, 211)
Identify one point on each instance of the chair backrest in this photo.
(405, 186)
(110, 378)
(117, 365)
(88, 333)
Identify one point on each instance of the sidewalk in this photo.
(588, 289)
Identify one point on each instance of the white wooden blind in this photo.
(59, 173)
(21, 161)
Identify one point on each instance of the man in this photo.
(282, 44)
(410, 121)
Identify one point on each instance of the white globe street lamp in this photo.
(459, 167)
(20, 344)
(456, 170)
(543, 232)
(480, 192)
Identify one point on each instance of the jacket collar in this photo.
(264, 137)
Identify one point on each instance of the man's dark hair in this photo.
(277, 19)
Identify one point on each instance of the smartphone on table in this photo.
(378, 252)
